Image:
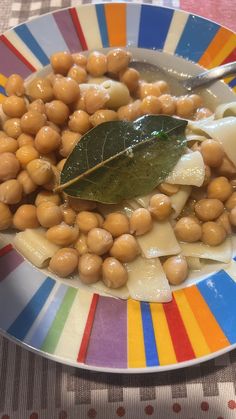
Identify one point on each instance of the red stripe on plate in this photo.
(78, 28)
(231, 57)
(182, 346)
(17, 53)
(88, 328)
(6, 249)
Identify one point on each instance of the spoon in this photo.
(150, 71)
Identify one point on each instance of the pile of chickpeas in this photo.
(42, 121)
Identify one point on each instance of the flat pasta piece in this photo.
(190, 170)
(35, 247)
(221, 253)
(147, 281)
(179, 199)
(160, 241)
(194, 263)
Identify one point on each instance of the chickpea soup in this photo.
(144, 243)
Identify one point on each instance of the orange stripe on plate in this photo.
(116, 24)
(222, 36)
(165, 348)
(212, 332)
(225, 51)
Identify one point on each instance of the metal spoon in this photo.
(192, 82)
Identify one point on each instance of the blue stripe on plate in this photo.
(197, 35)
(149, 337)
(2, 90)
(44, 325)
(24, 33)
(232, 83)
(219, 291)
(102, 24)
(154, 26)
(133, 12)
(26, 318)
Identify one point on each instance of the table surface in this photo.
(36, 388)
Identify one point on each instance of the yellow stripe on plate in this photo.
(136, 350)
(88, 19)
(165, 349)
(72, 334)
(192, 327)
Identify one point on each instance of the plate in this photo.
(74, 325)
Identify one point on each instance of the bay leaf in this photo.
(120, 160)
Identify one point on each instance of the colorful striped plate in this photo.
(74, 325)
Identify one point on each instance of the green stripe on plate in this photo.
(52, 338)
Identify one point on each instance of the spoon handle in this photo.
(210, 75)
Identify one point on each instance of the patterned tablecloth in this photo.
(32, 387)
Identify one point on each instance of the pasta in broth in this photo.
(138, 247)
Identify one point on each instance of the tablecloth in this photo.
(32, 387)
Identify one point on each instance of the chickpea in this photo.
(140, 221)
(77, 73)
(99, 218)
(103, 115)
(130, 77)
(62, 234)
(47, 196)
(79, 104)
(81, 244)
(208, 209)
(116, 223)
(232, 216)
(32, 121)
(11, 192)
(15, 85)
(12, 127)
(176, 269)
(197, 100)
(9, 166)
(95, 99)
(37, 105)
(69, 140)
(90, 268)
(163, 86)
(61, 164)
(202, 113)
(57, 112)
(224, 221)
(188, 230)
(40, 171)
(231, 202)
(99, 241)
(117, 60)
(212, 153)
(125, 248)
(47, 140)
(64, 262)
(61, 62)
(114, 274)
(40, 88)
(49, 214)
(2, 133)
(168, 189)
(8, 145)
(168, 104)
(97, 64)
(220, 188)
(151, 105)
(148, 89)
(227, 168)
(66, 90)
(26, 153)
(184, 107)
(53, 126)
(68, 214)
(80, 59)
(160, 206)
(14, 106)
(86, 221)
(213, 233)
(79, 122)
(25, 217)
(25, 139)
(5, 217)
(130, 112)
(27, 184)
(80, 204)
